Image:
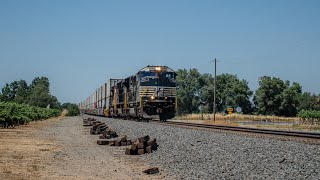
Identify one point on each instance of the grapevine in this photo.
(13, 114)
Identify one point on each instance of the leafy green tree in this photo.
(308, 101)
(233, 92)
(40, 94)
(17, 91)
(41, 81)
(268, 97)
(55, 104)
(7, 93)
(276, 97)
(21, 92)
(206, 93)
(37, 94)
(188, 90)
(73, 109)
(40, 98)
(290, 100)
(196, 89)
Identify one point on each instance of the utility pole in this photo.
(215, 87)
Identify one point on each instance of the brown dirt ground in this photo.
(25, 155)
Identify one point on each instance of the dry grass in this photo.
(233, 120)
(6, 170)
(17, 156)
(23, 153)
(44, 150)
(314, 127)
(238, 117)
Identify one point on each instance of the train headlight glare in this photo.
(152, 97)
(158, 68)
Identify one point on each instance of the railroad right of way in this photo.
(299, 136)
(199, 154)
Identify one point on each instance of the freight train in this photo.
(149, 94)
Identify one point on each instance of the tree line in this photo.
(37, 94)
(274, 96)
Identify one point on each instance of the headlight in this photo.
(152, 97)
(158, 69)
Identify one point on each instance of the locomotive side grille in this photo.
(147, 91)
(168, 92)
(164, 92)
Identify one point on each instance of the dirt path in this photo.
(61, 148)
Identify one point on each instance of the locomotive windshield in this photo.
(148, 78)
(167, 79)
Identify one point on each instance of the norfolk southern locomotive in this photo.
(150, 94)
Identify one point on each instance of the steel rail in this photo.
(244, 129)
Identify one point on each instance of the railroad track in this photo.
(309, 135)
(306, 137)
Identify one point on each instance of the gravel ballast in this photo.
(199, 154)
(74, 154)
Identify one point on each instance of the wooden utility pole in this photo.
(215, 87)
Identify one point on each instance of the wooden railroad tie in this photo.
(142, 145)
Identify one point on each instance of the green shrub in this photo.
(12, 114)
(309, 116)
(73, 109)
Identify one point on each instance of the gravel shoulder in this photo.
(63, 149)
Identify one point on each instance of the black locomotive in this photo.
(149, 94)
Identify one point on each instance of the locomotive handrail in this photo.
(141, 98)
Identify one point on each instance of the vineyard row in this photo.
(13, 114)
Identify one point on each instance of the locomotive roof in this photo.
(153, 68)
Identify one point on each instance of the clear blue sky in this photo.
(80, 44)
